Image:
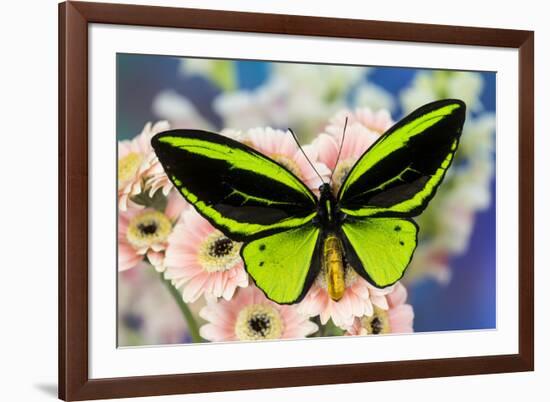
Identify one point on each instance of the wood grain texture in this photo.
(526, 264)
(74, 382)
(73, 202)
(298, 25)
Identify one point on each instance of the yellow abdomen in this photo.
(333, 263)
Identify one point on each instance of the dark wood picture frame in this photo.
(74, 381)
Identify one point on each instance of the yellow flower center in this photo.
(147, 228)
(288, 163)
(257, 322)
(218, 253)
(340, 173)
(128, 166)
(377, 323)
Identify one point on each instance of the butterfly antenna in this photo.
(340, 150)
(301, 149)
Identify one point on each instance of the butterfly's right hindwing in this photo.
(241, 192)
(380, 249)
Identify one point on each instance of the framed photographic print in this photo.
(260, 200)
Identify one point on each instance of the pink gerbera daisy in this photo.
(280, 146)
(359, 299)
(250, 316)
(135, 159)
(144, 232)
(200, 259)
(397, 318)
(363, 129)
(157, 180)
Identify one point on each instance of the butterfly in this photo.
(289, 234)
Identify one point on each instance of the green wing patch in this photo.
(400, 173)
(240, 191)
(284, 265)
(380, 249)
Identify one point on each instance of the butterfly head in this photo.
(325, 190)
(328, 214)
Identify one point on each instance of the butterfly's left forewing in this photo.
(238, 190)
(392, 182)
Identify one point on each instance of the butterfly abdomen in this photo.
(333, 261)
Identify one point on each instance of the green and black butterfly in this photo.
(290, 234)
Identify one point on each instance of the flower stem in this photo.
(189, 319)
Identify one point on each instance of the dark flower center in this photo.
(376, 325)
(259, 323)
(148, 228)
(221, 247)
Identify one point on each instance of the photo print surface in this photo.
(267, 200)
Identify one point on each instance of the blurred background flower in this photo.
(147, 313)
(451, 280)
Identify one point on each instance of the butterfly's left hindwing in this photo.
(285, 264)
(241, 192)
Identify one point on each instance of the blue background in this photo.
(467, 302)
